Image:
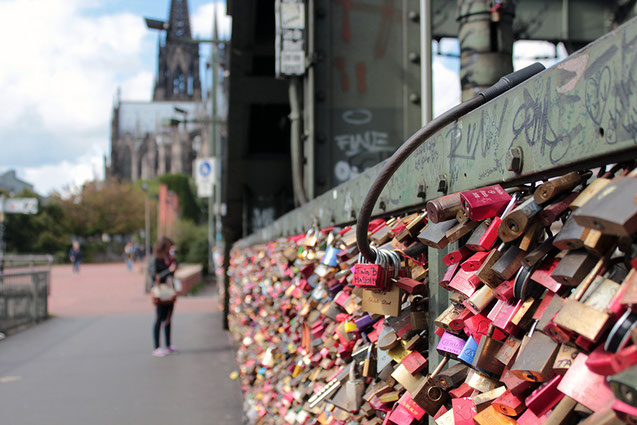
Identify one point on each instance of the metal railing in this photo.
(30, 262)
(23, 298)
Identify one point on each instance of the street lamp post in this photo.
(214, 42)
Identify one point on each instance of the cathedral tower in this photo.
(178, 64)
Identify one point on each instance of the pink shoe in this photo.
(159, 352)
(171, 350)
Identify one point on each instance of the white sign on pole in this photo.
(205, 176)
(290, 40)
(20, 206)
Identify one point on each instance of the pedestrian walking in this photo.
(129, 256)
(75, 255)
(164, 295)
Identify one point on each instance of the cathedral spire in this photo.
(179, 20)
(178, 62)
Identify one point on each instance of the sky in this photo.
(62, 62)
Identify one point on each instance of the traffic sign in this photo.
(20, 206)
(205, 176)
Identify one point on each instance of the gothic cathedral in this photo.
(165, 135)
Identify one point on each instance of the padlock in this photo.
(371, 276)
(434, 234)
(411, 406)
(586, 387)
(411, 286)
(624, 385)
(446, 317)
(504, 291)
(562, 413)
(369, 365)
(509, 263)
(544, 397)
(582, 319)
(589, 192)
(554, 187)
(574, 267)
(556, 209)
(485, 202)
(531, 236)
(605, 363)
(418, 314)
(464, 410)
(491, 234)
(571, 235)
(598, 243)
(534, 362)
(515, 222)
(542, 251)
(414, 362)
(508, 350)
(605, 416)
(564, 358)
(465, 282)
(443, 208)
(473, 243)
(452, 376)
(502, 313)
(468, 352)
(612, 210)
(480, 299)
(480, 381)
(450, 345)
(484, 400)
(542, 275)
(509, 404)
(474, 262)
(457, 256)
(485, 272)
(459, 230)
(427, 394)
(354, 389)
(485, 358)
(490, 416)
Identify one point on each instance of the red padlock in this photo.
(485, 202)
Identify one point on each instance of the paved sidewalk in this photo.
(91, 363)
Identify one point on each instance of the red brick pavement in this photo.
(110, 289)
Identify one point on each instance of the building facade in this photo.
(166, 134)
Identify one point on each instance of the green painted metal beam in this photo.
(580, 21)
(579, 113)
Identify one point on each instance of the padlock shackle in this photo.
(422, 135)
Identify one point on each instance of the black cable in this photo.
(419, 137)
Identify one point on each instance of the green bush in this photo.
(192, 243)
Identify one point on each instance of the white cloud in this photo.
(59, 69)
(202, 20)
(446, 87)
(526, 52)
(48, 178)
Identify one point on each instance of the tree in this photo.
(113, 209)
(44, 232)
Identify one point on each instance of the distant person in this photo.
(129, 256)
(164, 294)
(75, 255)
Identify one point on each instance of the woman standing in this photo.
(164, 295)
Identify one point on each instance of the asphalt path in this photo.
(91, 362)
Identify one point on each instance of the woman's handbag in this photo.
(163, 293)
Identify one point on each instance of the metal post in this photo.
(425, 62)
(34, 280)
(147, 255)
(213, 146)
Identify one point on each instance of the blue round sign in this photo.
(204, 169)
